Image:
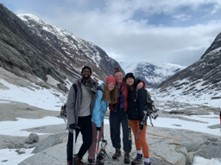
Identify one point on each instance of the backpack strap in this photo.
(101, 87)
(75, 91)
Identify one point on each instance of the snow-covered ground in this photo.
(43, 98)
(202, 96)
(51, 100)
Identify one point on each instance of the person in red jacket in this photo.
(118, 118)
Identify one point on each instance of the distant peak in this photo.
(26, 17)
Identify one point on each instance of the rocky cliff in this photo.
(31, 48)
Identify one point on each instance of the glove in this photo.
(98, 128)
(141, 126)
(72, 126)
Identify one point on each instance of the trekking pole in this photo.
(151, 121)
(74, 162)
(97, 147)
(220, 118)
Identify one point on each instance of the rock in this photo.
(210, 149)
(11, 142)
(167, 146)
(49, 141)
(32, 138)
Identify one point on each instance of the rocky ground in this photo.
(167, 146)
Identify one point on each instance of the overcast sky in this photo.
(159, 31)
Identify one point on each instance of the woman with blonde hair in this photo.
(106, 94)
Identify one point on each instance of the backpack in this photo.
(63, 112)
(151, 109)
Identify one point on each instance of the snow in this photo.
(18, 127)
(203, 161)
(202, 97)
(11, 157)
(201, 123)
(50, 99)
(153, 73)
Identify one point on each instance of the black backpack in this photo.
(63, 112)
(151, 109)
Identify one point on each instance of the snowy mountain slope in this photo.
(17, 89)
(201, 81)
(33, 49)
(74, 49)
(154, 74)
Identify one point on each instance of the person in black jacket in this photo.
(137, 106)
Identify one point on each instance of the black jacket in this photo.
(137, 100)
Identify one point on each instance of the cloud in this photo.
(136, 30)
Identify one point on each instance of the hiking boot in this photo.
(117, 154)
(91, 162)
(126, 158)
(69, 162)
(138, 160)
(78, 161)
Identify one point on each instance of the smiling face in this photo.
(130, 81)
(86, 73)
(110, 86)
(119, 77)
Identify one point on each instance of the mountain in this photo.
(33, 49)
(202, 79)
(153, 74)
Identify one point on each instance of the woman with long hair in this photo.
(106, 94)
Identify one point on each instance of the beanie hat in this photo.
(111, 79)
(86, 67)
(130, 75)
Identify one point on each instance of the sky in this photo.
(159, 31)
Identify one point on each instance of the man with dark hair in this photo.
(79, 108)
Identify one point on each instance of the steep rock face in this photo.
(75, 51)
(200, 78)
(21, 51)
(33, 48)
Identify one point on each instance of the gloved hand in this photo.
(141, 125)
(72, 126)
(98, 128)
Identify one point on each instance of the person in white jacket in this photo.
(106, 93)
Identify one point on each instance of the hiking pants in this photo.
(85, 127)
(117, 119)
(140, 142)
(91, 151)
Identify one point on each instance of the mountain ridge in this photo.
(152, 73)
(199, 81)
(30, 51)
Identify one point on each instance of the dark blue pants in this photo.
(118, 119)
(85, 127)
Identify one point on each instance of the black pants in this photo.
(117, 119)
(85, 127)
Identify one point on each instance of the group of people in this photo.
(86, 106)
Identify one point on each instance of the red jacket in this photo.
(124, 90)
